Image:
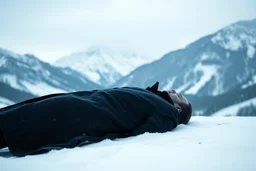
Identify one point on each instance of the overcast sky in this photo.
(51, 29)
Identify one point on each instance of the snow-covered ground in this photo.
(207, 143)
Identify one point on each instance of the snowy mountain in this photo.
(25, 76)
(215, 71)
(211, 65)
(205, 144)
(238, 109)
(103, 65)
(237, 102)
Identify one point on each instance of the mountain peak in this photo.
(210, 66)
(100, 50)
(104, 65)
(248, 23)
(6, 52)
(237, 36)
(26, 76)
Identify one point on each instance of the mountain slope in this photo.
(103, 66)
(208, 105)
(25, 76)
(235, 109)
(210, 66)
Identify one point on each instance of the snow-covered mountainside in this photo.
(5, 102)
(236, 109)
(25, 76)
(212, 65)
(205, 144)
(103, 65)
(209, 105)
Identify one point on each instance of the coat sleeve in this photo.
(156, 123)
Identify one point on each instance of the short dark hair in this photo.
(186, 113)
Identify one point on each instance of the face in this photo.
(177, 98)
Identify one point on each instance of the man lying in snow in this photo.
(73, 119)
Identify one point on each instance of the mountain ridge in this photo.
(25, 76)
(102, 65)
(201, 65)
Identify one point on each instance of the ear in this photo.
(178, 107)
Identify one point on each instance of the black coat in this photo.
(67, 120)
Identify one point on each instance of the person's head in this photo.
(182, 105)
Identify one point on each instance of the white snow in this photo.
(41, 88)
(2, 105)
(37, 88)
(93, 76)
(169, 84)
(227, 55)
(250, 51)
(218, 89)
(23, 65)
(67, 72)
(211, 56)
(83, 79)
(208, 73)
(10, 54)
(204, 57)
(11, 80)
(2, 61)
(250, 83)
(233, 109)
(216, 38)
(206, 144)
(235, 37)
(199, 112)
(233, 43)
(5, 102)
(182, 88)
(101, 62)
(127, 82)
(228, 41)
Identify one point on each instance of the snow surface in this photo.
(11, 80)
(208, 73)
(37, 88)
(250, 83)
(5, 102)
(205, 144)
(235, 37)
(234, 109)
(218, 88)
(41, 88)
(211, 56)
(2, 61)
(250, 51)
(169, 84)
(182, 87)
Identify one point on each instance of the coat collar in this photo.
(162, 94)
